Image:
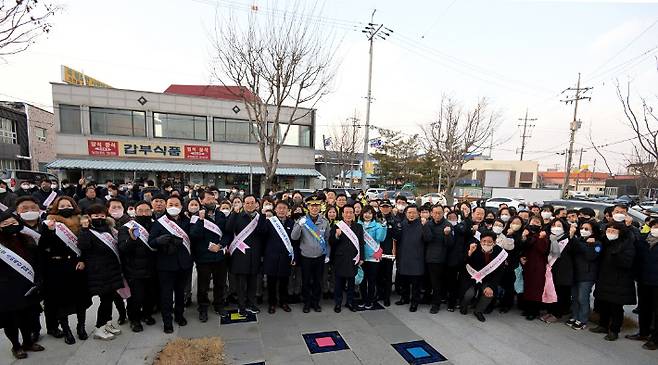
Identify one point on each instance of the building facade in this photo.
(499, 173)
(188, 134)
(26, 136)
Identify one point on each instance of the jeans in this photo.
(338, 290)
(580, 307)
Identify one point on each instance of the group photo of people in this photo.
(156, 254)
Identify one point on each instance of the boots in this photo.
(80, 329)
(68, 335)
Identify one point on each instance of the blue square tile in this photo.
(325, 342)
(418, 352)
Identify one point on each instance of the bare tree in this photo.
(21, 22)
(456, 134)
(345, 142)
(283, 66)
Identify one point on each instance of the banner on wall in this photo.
(148, 149)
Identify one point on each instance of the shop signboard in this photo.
(148, 149)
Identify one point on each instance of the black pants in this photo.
(104, 313)
(274, 283)
(142, 298)
(246, 289)
(385, 279)
(120, 304)
(436, 280)
(368, 286)
(340, 286)
(312, 269)
(410, 287)
(481, 302)
(204, 271)
(563, 304)
(532, 307)
(172, 293)
(612, 316)
(18, 321)
(648, 303)
(451, 284)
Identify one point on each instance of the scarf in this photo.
(72, 223)
(652, 241)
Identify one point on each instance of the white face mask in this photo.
(497, 229)
(505, 218)
(611, 236)
(400, 207)
(619, 217)
(3, 190)
(29, 216)
(266, 208)
(31, 186)
(515, 227)
(65, 186)
(585, 233)
(453, 223)
(131, 213)
(546, 215)
(116, 214)
(226, 212)
(654, 232)
(25, 186)
(53, 186)
(193, 209)
(487, 248)
(558, 231)
(173, 211)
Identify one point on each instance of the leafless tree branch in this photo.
(22, 22)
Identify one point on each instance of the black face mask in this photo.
(66, 212)
(210, 207)
(98, 222)
(534, 228)
(13, 229)
(489, 221)
(144, 221)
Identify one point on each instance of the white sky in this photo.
(519, 54)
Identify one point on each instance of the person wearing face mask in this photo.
(647, 254)
(297, 198)
(374, 234)
(267, 207)
(400, 206)
(547, 215)
(20, 297)
(615, 286)
(534, 260)
(45, 195)
(560, 263)
(385, 273)
(103, 266)
(455, 259)
(159, 204)
(138, 259)
(7, 197)
(116, 211)
(439, 241)
(64, 279)
(484, 266)
(586, 248)
(513, 245)
(169, 235)
(504, 215)
(67, 188)
(410, 257)
(346, 242)
(209, 243)
(24, 189)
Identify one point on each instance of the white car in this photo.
(433, 198)
(372, 193)
(495, 203)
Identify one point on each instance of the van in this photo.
(13, 178)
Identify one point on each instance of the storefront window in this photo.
(117, 122)
(237, 131)
(69, 119)
(298, 135)
(179, 126)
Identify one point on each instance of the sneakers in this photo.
(570, 322)
(136, 326)
(103, 334)
(434, 309)
(637, 337)
(252, 309)
(650, 345)
(111, 328)
(578, 325)
(203, 316)
(368, 306)
(598, 329)
(549, 318)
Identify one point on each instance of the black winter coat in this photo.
(85, 203)
(40, 196)
(411, 248)
(102, 265)
(438, 243)
(457, 253)
(343, 251)
(248, 262)
(14, 286)
(137, 257)
(586, 258)
(276, 259)
(8, 198)
(563, 267)
(172, 254)
(201, 238)
(615, 283)
(392, 224)
(478, 261)
(647, 261)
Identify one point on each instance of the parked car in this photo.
(626, 199)
(638, 217)
(433, 198)
(13, 178)
(494, 203)
(373, 192)
(392, 194)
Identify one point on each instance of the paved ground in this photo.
(503, 339)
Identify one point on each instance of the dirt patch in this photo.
(201, 351)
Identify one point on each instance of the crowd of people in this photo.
(135, 245)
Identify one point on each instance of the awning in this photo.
(64, 164)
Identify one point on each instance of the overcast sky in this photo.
(519, 54)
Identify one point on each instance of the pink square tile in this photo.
(325, 341)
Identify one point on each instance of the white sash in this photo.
(212, 227)
(238, 241)
(3, 207)
(32, 233)
(174, 229)
(143, 233)
(370, 242)
(281, 231)
(111, 242)
(17, 263)
(64, 233)
(352, 237)
(478, 276)
(49, 199)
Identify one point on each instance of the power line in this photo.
(441, 15)
(526, 132)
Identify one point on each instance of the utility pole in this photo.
(326, 167)
(580, 163)
(372, 30)
(355, 125)
(575, 124)
(526, 133)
